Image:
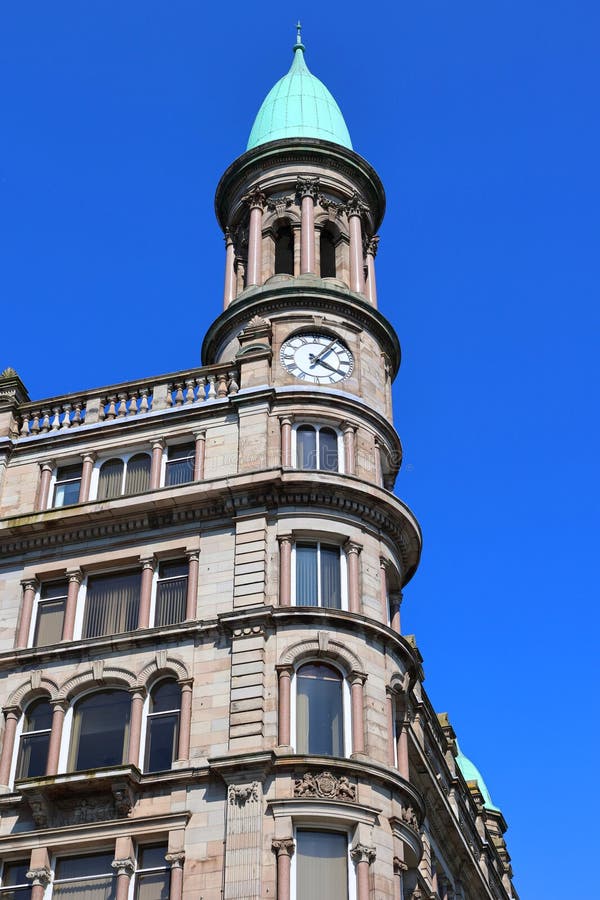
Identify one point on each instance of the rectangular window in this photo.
(152, 879)
(85, 878)
(171, 592)
(180, 464)
(50, 614)
(112, 604)
(66, 486)
(14, 884)
(321, 865)
(318, 581)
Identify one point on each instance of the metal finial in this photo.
(298, 32)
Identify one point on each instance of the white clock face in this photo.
(317, 358)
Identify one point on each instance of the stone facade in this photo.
(206, 476)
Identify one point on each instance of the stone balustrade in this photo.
(123, 401)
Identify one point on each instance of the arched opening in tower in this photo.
(327, 254)
(284, 251)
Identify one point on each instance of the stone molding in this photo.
(322, 646)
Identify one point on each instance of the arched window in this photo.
(111, 479)
(162, 730)
(317, 448)
(137, 478)
(100, 733)
(319, 710)
(284, 251)
(327, 251)
(35, 738)
(127, 475)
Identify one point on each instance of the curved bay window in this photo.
(327, 253)
(100, 733)
(319, 710)
(122, 476)
(162, 729)
(284, 250)
(35, 738)
(318, 575)
(317, 448)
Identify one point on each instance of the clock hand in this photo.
(325, 351)
(314, 361)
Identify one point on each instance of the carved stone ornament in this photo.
(240, 794)
(41, 876)
(255, 198)
(307, 187)
(372, 245)
(355, 206)
(176, 859)
(124, 866)
(362, 853)
(279, 205)
(324, 786)
(409, 817)
(283, 847)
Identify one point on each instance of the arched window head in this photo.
(319, 710)
(100, 734)
(284, 251)
(35, 738)
(137, 478)
(327, 254)
(130, 475)
(162, 733)
(111, 479)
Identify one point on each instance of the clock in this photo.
(317, 358)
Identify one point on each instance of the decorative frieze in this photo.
(324, 786)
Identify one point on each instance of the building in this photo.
(206, 690)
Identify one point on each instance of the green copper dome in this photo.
(299, 105)
(470, 772)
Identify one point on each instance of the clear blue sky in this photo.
(118, 117)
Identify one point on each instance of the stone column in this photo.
(46, 469)
(244, 841)
(399, 869)
(352, 550)
(284, 705)
(354, 209)
(307, 191)
(402, 749)
(138, 695)
(285, 850)
(200, 455)
(40, 878)
(12, 715)
(87, 466)
(349, 432)
(395, 604)
(156, 466)
(30, 586)
(256, 201)
(363, 856)
(176, 860)
(286, 441)
(229, 291)
(124, 868)
(358, 725)
(371, 284)
(192, 585)
(148, 565)
(74, 579)
(185, 720)
(391, 718)
(383, 588)
(59, 708)
(285, 569)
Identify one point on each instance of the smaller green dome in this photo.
(470, 772)
(299, 105)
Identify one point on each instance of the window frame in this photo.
(38, 601)
(145, 730)
(134, 887)
(91, 851)
(165, 461)
(124, 456)
(318, 426)
(322, 825)
(66, 751)
(82, 597)
(22, 886)
(346, 704)
(19, 733)
(156, 580)
(62, 464)
(318, 542)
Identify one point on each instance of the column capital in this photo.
(186, 684)
(307, 187)
(286, 419)
(148, 562)
(31, 583)
(74, 575)
(285, 538)
(158, 443)
(124, 866)
(60, 703)
(40, 876)
(284, 669)
(192, 554)
(363, 853)
(396, 599)
(200, 435)
(228, 237)
(255, 198)
(283, 846)
(357, 678)
(399, 866)
(372, 245)
(352, 547)
(138, 690)
(348, 427)
(177, 859)
(12, 712)
(90, 455)
(355, 205)
(47, 465)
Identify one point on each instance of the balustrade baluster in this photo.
(179, 393)
(66, 422)
(222, 388)
(24, 432)
(56, 418)
(144, 400)
(189, 394)
(169, 395)
(211, 388)
(201, 395)
(112, 409)
(122, 411)
(133, 399)
(35, 425)
(76, 420)
(45, 421)
(233, 387)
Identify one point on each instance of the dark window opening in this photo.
(284, 251)
(327, 251)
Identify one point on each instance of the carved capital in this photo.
(40, 876)
(284, 847)
(48, 465)
(307, 187)
(30, 584)
(355, 206)
(371, 245)
(148, 562)
(75, 575)
(352, 547)
(255, 198)
(176, 859)
(89, 455)
(396, 599)
(362, 853)
(399, 866)
(125, 866)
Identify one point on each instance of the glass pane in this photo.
(161, 742)
(66, 494)
(319, 724)
(154, 886)
(173, 568)
(53, 590)
(328, 450)
(38, 716)
(111, 479)
(137, 479)
(112, 604)
(179, 472)
(170, 601)
(101, 730)
(33, 755)
(82, 866)
(322, 865)
(49, 623)
(165, 697)
(14, 873)
(153, 857)
(306, 447)
(331, 594)
(306, 575)
(182, 451)
(16, 893)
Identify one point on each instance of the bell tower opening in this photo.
(284, 250)
(327, 254)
